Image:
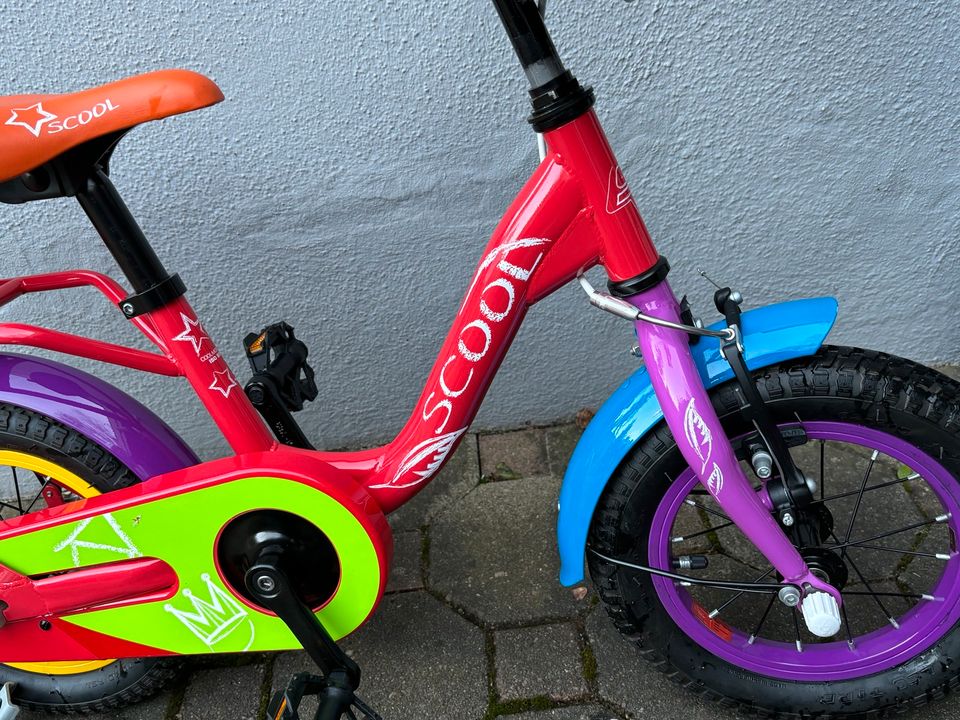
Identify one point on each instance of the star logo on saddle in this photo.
(223, 382)
(193, 333)
(213, 620)
(32, 118)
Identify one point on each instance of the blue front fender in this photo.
(771, 334)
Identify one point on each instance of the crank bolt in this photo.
(762, 464)
(266, 583)
(789, 596)
(787, 519)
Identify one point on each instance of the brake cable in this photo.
(747, 587)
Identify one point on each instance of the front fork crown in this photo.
(691, 418)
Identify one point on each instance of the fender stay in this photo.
(771, 334)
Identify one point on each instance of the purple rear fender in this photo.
(111, 418)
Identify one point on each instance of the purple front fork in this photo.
(701, 439)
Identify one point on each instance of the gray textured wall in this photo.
(353, 177)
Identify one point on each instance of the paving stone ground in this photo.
(475, 625)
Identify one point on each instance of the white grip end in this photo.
(821, 614)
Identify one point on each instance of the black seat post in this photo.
(120, 232)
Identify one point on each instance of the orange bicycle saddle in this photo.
(37, 128)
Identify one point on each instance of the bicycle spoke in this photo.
(823, 482)
(900, 551)
(870, 591)
(736, 597)
(763, 619)
(888, 483)
(39, 495)
(796, 629)
(874, 593)
(681, 538)
(856, 507)
(16, 485)
(694, 503)
(846, 626)
(855, 543)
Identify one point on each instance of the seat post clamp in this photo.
(163, 293)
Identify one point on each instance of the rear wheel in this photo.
(43, 463)
(880, 435)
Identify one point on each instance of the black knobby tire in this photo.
(122, 682)
(837, 384)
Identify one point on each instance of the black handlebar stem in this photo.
(556, 94)
(531, 41)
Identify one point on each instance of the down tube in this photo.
(537, 247)
(690, 416)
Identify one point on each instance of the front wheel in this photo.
(881, 436)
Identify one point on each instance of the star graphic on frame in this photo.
(32, 118)
(223, 382)
(193, 333)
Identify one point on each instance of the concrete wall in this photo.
(352, 178)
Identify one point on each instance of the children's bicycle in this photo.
(121, 552)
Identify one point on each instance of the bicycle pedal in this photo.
(282, 380)
(8, 709)
(285, 704)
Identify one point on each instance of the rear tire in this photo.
(27, 433)
(854, 387)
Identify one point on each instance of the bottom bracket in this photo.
(307, 557)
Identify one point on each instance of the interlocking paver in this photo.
(458, 477)
(540, 661)
(520, 453)
(560, 442)
(494, 554)
(579, 712)
(227, 693)
(405, 572)
(419, 659)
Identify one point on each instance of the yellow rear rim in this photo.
(75, 484)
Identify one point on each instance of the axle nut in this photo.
(789, 596)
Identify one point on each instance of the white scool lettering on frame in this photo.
(89, 535)
(697, 433)
(497, 301)
(213, 621)
(513, 271)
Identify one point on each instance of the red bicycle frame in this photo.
(575, 211)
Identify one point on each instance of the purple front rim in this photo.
(887, 647)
